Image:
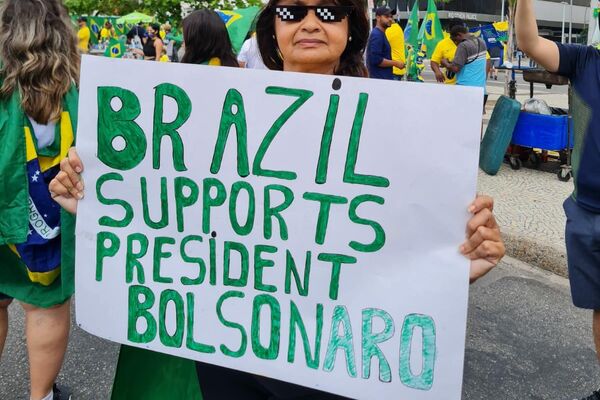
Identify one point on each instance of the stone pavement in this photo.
(528, 202)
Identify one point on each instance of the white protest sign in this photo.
(301, 227)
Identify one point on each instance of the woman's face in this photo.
(309, 44)
(151, 32)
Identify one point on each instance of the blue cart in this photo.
(544, 132)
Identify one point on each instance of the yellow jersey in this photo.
(395, 36)
(445, 49)
(106, 34)
(83, 39)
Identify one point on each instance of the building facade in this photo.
(550, 14)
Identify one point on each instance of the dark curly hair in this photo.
(205, 37)
(351, 60)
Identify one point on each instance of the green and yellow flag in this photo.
(238, 24)
(411, 32)
(115, 49)
(431, 32)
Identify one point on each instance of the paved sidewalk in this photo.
(528, 202)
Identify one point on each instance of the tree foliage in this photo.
(163, 10)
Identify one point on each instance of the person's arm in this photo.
(439, 75)
(436, 59)
(376, 56)
(242, 57)
(459, 61)
(158, 46)
(543, 51)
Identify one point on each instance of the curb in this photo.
(536, 254)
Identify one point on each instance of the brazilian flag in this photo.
(95, 24)
(411, 32)
(115, 49)
(431, 32)
(238, 23)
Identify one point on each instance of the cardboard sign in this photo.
(301, 227)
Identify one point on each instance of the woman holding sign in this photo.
(39, 68)
(329, 39)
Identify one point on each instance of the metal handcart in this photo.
(546, 133)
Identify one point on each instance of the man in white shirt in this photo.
(249, 56)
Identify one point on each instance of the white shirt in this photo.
(250, 54)
(44, 134)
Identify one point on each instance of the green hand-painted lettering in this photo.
(350, 176)
(233, 114)
(132, 260)
(303, 96)
(162, 129)
(108, 221)
(120, 124)
(344, 342)
(371, 340)
(139, 310)
(272, 351)
(276, 211)
(244, 336)
(104, 250)
(312, 360)
(424, 381)
(379, 240)
(322, 165)
(325, 201)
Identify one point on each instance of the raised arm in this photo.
(543, 51)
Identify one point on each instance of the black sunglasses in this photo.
(324, 13)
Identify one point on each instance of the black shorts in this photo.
(219, 383)
(583, 253)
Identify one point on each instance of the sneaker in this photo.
(61, 392)
(593, 396)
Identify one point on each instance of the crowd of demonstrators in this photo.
(38, 117)
(379, 52)
(581, 64)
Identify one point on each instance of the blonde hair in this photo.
(39, 56)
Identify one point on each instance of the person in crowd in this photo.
(138, 31)
(395, 36)
(581, 64)
(294, 38)
(38, 117)
(249, 55)
(496, 54)
(83, 35)
(379, 52)
(107, 32)
(166, 35)
(445, 50)
(470, 62)
(153, 44)
(206, 40)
